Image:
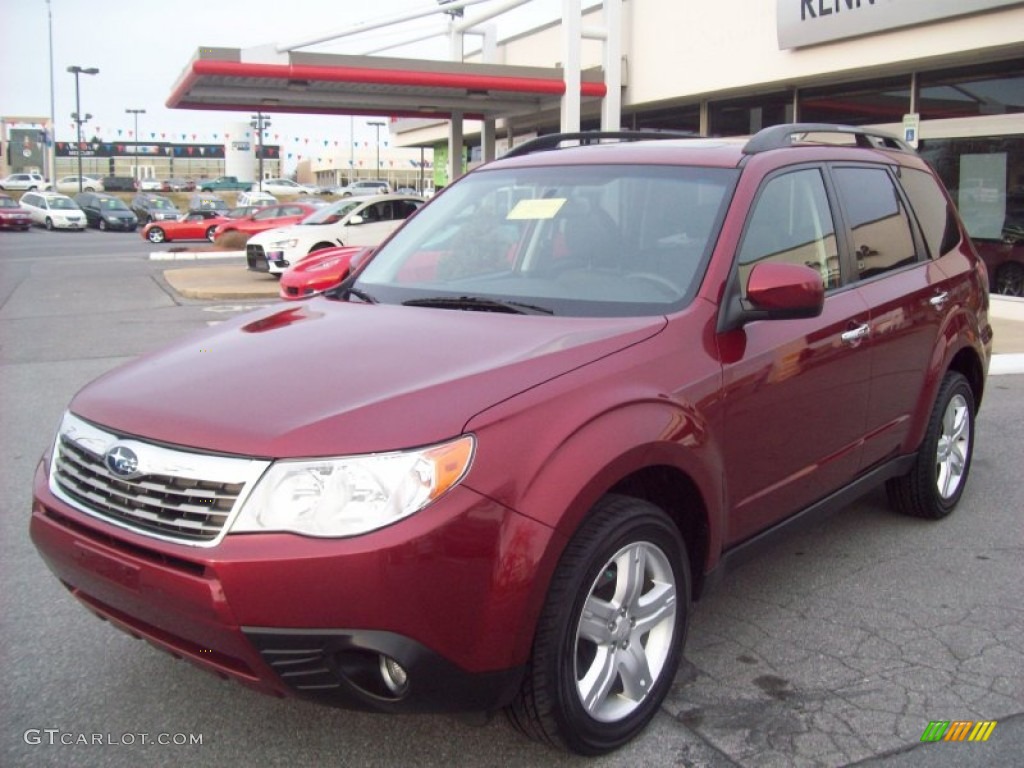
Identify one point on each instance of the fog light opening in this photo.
(395, 678)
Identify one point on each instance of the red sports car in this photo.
(321, 270)
(194, 225)
(281, 215)
(12, 215)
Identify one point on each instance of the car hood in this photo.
(329, 377)
(271, 235)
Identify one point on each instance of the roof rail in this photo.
(553, 140)
(779, 136)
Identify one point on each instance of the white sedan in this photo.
(68, 185)
(283, 187)
(349, 221)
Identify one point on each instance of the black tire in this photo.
(49, 223)
(209, 233)
(156, 235)
(1010, 279)
(574, 649)
(102, 225)
(933, 486)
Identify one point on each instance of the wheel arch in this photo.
(652, 450)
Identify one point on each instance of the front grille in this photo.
(172, 494)
(256, 258)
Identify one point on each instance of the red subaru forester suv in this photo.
(493, 467)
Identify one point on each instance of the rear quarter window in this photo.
(933, 210)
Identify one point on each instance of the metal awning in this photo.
(250, 80)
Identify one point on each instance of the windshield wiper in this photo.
(346, 288)
(479, 304)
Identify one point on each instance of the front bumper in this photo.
(448, 593)
(68, 223)
(274, 261)
(121, 225)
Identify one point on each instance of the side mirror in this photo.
(785, 291)
(357, 219)
(775, 291)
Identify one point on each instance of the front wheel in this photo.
(933, 486)
(49, 223)
(102, 225)
(611, 633)
(210, 232)
(155, 235)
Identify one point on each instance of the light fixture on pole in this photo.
(136, 113)
(260, 123)
(378, 124)
(77, 114)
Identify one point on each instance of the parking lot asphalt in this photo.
(224, 282)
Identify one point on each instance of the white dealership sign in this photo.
(807, 22)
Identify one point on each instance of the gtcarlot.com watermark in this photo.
(58, 737)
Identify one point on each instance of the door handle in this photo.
(856, 335)
(939, 300)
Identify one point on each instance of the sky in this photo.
(142, 47)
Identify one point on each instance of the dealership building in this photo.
(948, 75)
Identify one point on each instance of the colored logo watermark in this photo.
(958, 730)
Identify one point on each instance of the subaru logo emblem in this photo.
(122, 461)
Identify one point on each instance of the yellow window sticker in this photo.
(537, 208)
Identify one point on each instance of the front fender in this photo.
(569, 458)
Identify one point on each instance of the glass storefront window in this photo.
(985, 177)
(862, 103)
(990, 90)
(743, 117)
(670, 119)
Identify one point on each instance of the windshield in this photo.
(577, 240)
(161, 203)
(6, 202)
(64, 203)
(332, 213)
(113, 204)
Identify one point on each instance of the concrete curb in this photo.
(1007, 307)
(194, 255)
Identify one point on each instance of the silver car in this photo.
(24, 181)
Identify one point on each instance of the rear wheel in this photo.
(933, 486)
(611, 633)
(156, 235)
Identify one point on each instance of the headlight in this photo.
(350, 495)
(284, 243)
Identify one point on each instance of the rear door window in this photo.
(882, 238)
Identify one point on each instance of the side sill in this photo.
(752, 547)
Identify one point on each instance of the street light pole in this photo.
(378, 124)
(260, 122)
(76, 71)
(51, 149)
(136, 113)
